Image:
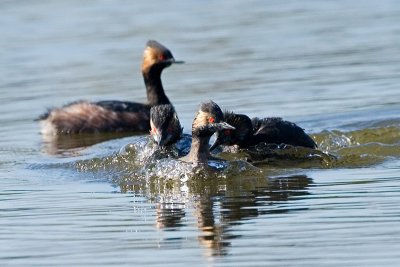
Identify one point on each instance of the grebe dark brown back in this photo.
(267, 130)
(208, 120)
(112, 116)
(165, 127)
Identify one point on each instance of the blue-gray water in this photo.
(333, 67)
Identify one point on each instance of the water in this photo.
(330, 66)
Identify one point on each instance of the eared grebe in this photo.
(165, 127)
(112, 116)
(208, 120)
(267, 130)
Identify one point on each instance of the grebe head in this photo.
(208, 120)
(243, 129)
(157, 56)
(165, 126)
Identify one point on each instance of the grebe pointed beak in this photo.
(216, 143)
(161, 138)
(219, 127)
(223, 126)
(157, 138)
(171, 61)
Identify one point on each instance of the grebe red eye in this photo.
(227, 132)
(211, 120)
(161, 57)
(170, 130)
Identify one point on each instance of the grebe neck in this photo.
(154, 87)
(199, 152)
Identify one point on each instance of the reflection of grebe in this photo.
(111, 116)
(267, 130)
(208, 120)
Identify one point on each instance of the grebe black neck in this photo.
(154, 89)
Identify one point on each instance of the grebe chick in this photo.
(208, 120)
(267, 130)
(165, 127)
(115, 116)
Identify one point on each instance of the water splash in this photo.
(333, 140)
(141, 160)
(336, 149)
(363, 147)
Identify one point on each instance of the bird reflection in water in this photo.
(72, 144)
(219, 204)
(170, 215)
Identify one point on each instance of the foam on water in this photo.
(142, 159)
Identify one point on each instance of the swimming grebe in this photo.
(112, 116)
(165, 127)
(267, 130)
(208, 120)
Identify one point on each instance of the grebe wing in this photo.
(123, 106)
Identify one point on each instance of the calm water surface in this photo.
(333, 67)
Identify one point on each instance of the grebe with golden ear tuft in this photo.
(115, 116)
(208, 120)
